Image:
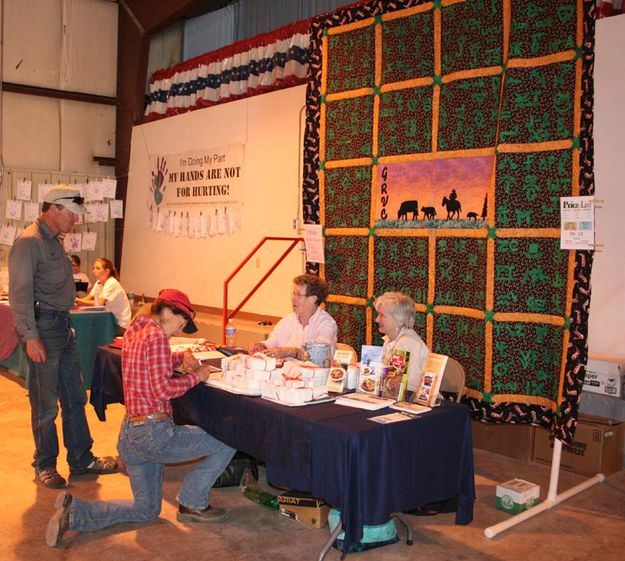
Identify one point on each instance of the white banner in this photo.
(197, 179)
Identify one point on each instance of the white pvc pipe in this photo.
(553, 498)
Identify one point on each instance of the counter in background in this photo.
(92, 329)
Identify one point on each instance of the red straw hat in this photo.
(181, 301)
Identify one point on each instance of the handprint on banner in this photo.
(157, 188)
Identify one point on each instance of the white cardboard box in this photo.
(517, 495)
(606, 378)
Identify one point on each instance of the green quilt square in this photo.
(468, 113)
(351, 323)
(405, 123)
(352, 60)
(530, 276)
(347, 197)
(463, 339)
(407, 48)
(526, 359)
(461, 272)
(471, 36)
(538, 104)
(346, 265)
(401, 265)
(529, 187)
(348, 128)
(542, 27)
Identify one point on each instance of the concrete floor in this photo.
(590, 526)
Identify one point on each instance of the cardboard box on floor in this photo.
(515, 441)
(304, 508)
(606, 378)
(597, 446)
(516, 495)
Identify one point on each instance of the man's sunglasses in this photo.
(77, 200)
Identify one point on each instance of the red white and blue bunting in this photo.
(267, 62)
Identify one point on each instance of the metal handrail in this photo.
(229, 315)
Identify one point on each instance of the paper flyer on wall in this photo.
(577, 222)
(313, 239)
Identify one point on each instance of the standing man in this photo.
(41, 293)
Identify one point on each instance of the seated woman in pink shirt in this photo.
(307, 324)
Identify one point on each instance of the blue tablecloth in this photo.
(93, 329)
(366, 469)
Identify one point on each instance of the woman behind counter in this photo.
(395, 319)
(109, 293)
(307, 324)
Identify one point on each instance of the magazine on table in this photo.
(412, 408)
(396, 417)
(370, 370)
(395, 376)
(364, 401)
(430, 381)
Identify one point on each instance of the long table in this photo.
(93, 329)
(366, 469)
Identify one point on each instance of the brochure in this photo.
(430, 382)
(338, 370)
(370, 370)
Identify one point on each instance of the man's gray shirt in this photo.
(39, 270)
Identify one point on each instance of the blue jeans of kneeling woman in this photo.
(145, 448)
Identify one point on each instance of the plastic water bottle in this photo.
(231, 334)
(261, 497)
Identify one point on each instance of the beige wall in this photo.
(67, 45)
(606, 331)
(269, 127)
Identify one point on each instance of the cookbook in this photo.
(395, 376)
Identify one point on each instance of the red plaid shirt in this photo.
(147, 370)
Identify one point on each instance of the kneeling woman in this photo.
(148, 438)
(108, 292)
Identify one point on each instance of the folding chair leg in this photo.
(401, 517)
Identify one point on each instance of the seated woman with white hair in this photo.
(395, 318)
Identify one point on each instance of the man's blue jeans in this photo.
(145, 448)
(58, 379)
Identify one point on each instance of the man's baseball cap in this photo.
(67, 196)
(180, 301)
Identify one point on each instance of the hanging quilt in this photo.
(440, 137)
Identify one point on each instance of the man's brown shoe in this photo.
(50, 478)
(209, 514)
